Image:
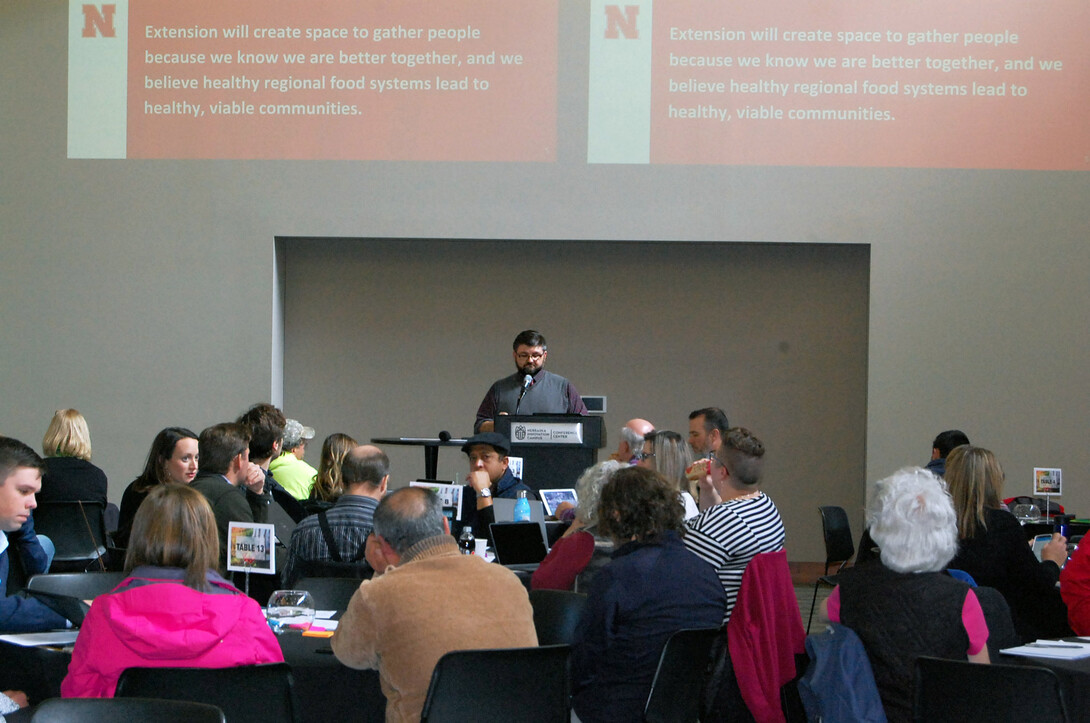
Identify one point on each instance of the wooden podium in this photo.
(555, 448)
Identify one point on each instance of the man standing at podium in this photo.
(531, 389)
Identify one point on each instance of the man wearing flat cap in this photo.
(489, 477)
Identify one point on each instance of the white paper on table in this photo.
(1055, 649)
(29, 640)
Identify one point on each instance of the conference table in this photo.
(325, 689)
(1074, 678)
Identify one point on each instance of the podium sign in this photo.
(547, 433)
(555, 448)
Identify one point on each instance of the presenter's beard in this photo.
(529, 368)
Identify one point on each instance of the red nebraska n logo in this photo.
(103, 21)
(620, 22)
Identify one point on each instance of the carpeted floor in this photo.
(805, 593)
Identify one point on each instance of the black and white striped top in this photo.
(729, 534)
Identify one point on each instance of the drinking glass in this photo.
(1026, 513)
(290, 610)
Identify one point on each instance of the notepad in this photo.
(1055, 649)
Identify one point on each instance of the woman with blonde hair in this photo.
(669, 454)
(992, 546)
(173, 609)
(327, 483)
(69, 474)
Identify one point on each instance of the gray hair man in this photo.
(425, 600)
(630, 445)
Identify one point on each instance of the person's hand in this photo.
(1056, 549)
(574, 527)
(374, 556)
(18, 696)
(478, 479)
(254, 479)
(563, 507)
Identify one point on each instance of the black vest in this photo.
(899, 617)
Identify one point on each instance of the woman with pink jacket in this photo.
(173, 610)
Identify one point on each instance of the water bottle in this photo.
(522, 508)
(465, 541)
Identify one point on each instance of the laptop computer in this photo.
(519, 545)
(551, 498)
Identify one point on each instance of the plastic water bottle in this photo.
(465, 541)
(522, 508)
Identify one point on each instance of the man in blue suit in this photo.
(20, 479)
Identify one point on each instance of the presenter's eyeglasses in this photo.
(534, 356)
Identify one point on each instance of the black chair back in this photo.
(529, 685)
(110, 710)
(78, 531)
(329, 593)
(80, 585)
(245, 694)
(960, 690)
(839, 546)
(556, 615)
(676, 689)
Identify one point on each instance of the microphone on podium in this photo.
(527, 381)
(444, 436)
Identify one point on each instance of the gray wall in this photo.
(140, 292)
(403, 337)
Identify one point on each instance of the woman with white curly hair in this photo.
(581, 545)
(907, 606)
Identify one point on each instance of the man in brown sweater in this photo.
(425, 600)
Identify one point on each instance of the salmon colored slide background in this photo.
(1046, 129)
(515, 120)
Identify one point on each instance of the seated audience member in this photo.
(232, 485)
(69, 474)
(20, 479)
(365, 473)
(906, 606)
(489, 477)
(290, 469)
(266, 424)
(173, 609)
(425, 600)
(992, 547)
(631, 440)
(572, 554)
(172, 458)
(12, 701)
(744, 523)
(327, 483)
(652, 588)
(668, 454)
(707, 427)
(1075, 589)
(941, 447)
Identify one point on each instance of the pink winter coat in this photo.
(166, 624)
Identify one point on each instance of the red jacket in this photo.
(764, 634)
(166, 624)
(1075, 589)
